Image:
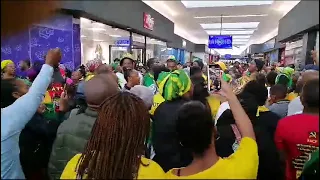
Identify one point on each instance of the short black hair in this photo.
(279, 90)
(195, 127)
(195, 70)
(200, 63)
(271, 78)
(200, 89)
(261, 79)
(158, 69)
(127, 73)
(8, 86)
(310, 93)
(150, 62)
(258, 90)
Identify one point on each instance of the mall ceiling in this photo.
(249, 22)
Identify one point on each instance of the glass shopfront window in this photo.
(155, 48)
(103, 42)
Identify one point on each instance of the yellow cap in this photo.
(5, 63)
(221, 65)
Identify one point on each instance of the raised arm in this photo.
(18, 114)
(241, 118)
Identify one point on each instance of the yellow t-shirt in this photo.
(243, 164)
(151, 171)
(214, 104)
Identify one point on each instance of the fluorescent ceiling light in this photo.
(230, 32)
(231, 16)
(98, 24)
(98, 40)
(233, 29)
(241, 37)
(114, 35)
(97, 29)
(231, 25)
(197, 4)
(83, 36)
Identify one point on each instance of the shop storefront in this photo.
(110, 32)
(299, 32)
(272, 51)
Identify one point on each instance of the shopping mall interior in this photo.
(276, 31)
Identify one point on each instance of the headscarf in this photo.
(5, 63)
(92, 65)
(287, 72)
(173, 84)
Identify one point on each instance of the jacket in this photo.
(35, 144)
(13, 120)
(169, 153)
(71, 139)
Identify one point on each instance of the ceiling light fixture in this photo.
(114, 35)
(98, 40)
(231, 25)
(231, 16)
(230, 32)
(198, 4)
(83, 36)
(97, 29)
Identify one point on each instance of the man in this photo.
(127, 62)
(148, 79)
(26, 72)
(295, 106)
(73, 133)
(172, 63)
(297, 136)
(254, 68)
(278, 102)
(237, 69)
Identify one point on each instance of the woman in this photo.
(132, 77)
(200, 93)
(116, 145)
(195, 131)
(8, 69)
(175, 88)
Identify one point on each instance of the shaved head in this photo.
(305, 77)
(99, 88)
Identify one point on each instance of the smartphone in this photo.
(216, 81)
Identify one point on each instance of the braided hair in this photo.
(117, 139)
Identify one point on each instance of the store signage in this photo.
(220, 42)
(227, 56)
(122, 42)
(148, 21)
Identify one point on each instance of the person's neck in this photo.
(312, 111)
(199, 164)
(8, 76)
(130, 85)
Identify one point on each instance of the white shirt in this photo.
(224, 106)
(295, 106)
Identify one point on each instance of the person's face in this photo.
(252, 67)
(236, 64)
(127, 63)
(22, 89)
(76, 76)
(172, 65)
(134, 78)
(10, 69)
(22, 65)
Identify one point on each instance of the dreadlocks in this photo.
(117, 139)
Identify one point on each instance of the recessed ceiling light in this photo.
(114, 35)
(97, 29)
(197, 4)
(229, 32)
(231, 16)
(231, 25)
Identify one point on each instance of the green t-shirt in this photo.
(148, 81)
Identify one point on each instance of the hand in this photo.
(63, 103)
(226, 90)
(41, 109)
(53, 57)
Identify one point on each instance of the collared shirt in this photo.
(13, 120)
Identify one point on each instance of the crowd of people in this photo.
(172, 121)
